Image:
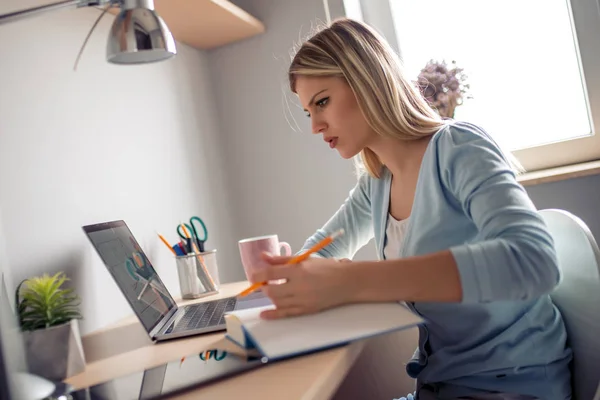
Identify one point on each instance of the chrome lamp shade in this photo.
(138, 35)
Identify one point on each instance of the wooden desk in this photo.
(124, 348)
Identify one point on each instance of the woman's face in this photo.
(334, 112)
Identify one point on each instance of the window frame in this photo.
(585, 20)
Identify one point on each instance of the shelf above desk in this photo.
(206, 24)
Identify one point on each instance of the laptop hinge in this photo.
(164, 322)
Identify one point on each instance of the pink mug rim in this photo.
(255, 238)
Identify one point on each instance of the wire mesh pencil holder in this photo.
(198, 274)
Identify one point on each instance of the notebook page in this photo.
(289, 336)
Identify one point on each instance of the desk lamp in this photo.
(138, 35)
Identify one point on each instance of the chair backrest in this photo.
(578, 296)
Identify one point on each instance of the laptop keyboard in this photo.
(202, 315)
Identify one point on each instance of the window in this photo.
(533, 67)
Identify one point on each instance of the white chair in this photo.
(578, 296)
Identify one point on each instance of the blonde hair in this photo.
(392, 106)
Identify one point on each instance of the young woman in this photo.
(458, 238)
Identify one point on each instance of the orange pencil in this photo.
(166, 243)
(298, 259)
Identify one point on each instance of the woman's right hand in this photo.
(308, 287)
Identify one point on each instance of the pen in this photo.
(178, 250)
(297, 259)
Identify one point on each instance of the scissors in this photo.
(195, 232)
(207, 355)
(213, 354)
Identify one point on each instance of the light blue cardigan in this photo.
(505, 335)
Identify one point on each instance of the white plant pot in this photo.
(55, 353)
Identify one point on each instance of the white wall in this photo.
(284, 181)
(138, 143)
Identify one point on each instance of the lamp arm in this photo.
(17, 15)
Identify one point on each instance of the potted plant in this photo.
(48, 316)
(443, 86)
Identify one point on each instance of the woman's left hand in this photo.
(309, 287)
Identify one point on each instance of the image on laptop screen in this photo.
(132, 271)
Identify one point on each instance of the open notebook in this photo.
(293, 336)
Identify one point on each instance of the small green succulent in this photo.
(43, 304)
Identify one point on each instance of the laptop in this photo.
(149, 298)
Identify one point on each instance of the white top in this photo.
(394, 237)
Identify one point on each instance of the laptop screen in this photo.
(132, 271)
